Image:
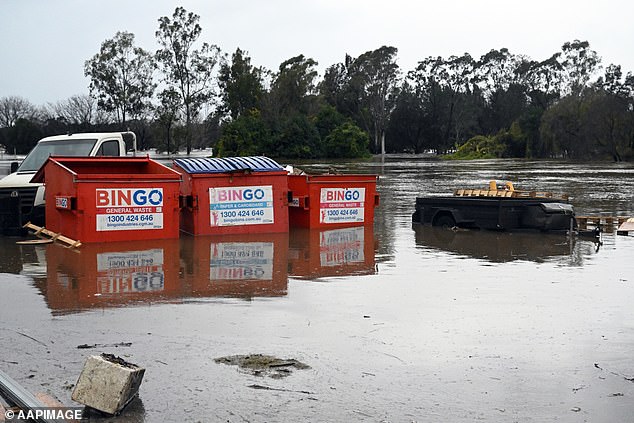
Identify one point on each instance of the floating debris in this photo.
(263, 365)
(119, 344)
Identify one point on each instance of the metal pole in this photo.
(16, 394)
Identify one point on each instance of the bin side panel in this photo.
(130, 211)
(59, 184)
(333, 200)
(237, 203)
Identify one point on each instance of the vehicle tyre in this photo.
(445, 221)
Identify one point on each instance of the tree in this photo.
(187, 70)
(376, 73)
(580, 64)
(297, 138)
(543, 80)
(121, 77)
(79, 112)
(21, 136)
(608, 123)
(14, 108)
(346, 141)
(167, 115)
(339, 89)
(450, 96)
(241, 85)
(409, 122)
(293, 87)
(561, 130)
(246, 135)
(495, 71)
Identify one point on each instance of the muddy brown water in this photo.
(397, 323)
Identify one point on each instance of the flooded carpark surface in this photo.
(394, 323)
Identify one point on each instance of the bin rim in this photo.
(206, 165)
(61, 161)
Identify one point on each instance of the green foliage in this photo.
(346, 141)
(297, 138)
(187, 70)
(166, 116)
(121, 77)
(479, 147)
(248, 135)
(241, 85)
(329, 134)
(500, 105)
(374, 77)
(328, 119)
(293, 88)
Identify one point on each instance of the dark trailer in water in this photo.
(497, 208)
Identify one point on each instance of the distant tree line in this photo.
(189, 94)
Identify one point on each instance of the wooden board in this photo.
(54, 236)
(34, 241)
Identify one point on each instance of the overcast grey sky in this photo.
(44, 43)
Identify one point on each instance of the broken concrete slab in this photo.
(107, 383)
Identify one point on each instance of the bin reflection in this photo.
(240, 265)
(315, 253)
(122, 274)
(111, 274)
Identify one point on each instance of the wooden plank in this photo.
(54, 236)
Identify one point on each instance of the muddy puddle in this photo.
(393, 323)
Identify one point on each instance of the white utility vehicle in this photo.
(22, 201)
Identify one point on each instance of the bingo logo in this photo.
(131, 197)
(247, 194)
(343, 195)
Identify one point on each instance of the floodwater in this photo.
(397, 323)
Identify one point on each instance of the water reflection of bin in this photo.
(233, 195)
(97, 199)
(113, 274)
(331, 201)
(336, 252)
(242, 265)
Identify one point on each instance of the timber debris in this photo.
(40, 232)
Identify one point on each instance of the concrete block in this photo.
(107, 383)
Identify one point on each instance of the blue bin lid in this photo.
(228, 164)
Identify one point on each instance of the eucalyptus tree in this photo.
(580, 65)
(448, 91)
(241, 85)
(291, 100)
(496, 70)
(338, 88)
(293, 89)
(410, 127)
(187, 70)
(543, 80)
(121, 77)
(167, 114)
(614, 82)
(375, 75)
(611, 113)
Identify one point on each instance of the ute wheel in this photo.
(445, 221)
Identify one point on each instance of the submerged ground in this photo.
(398, 323)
